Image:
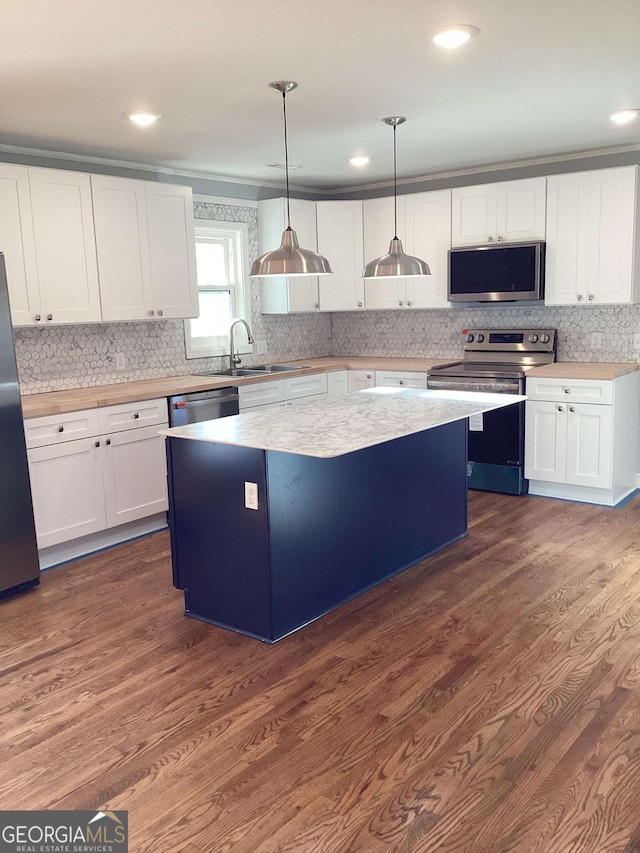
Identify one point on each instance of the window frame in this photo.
(240, 289)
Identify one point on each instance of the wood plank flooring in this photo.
(487, 700)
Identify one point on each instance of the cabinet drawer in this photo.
(305, 386)
(573, 390)
(55, 429)
(260, 394)
(130, 415)
(395, 378)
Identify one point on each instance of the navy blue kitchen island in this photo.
(349, 493)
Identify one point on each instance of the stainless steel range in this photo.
(497, 361)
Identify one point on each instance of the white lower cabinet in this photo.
(400, 379)
(85, 485)
(579, 449)
(358, 380)
(337, 384)
(282, 392)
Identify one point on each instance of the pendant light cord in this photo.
(395, 187)
(286, 156)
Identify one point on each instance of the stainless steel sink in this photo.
(256, 370)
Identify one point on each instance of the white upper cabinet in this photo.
(65, 247)
(172, 250)
(340, 240)
(428, 236)
(424, 226)
(592, 240)
(18, 246)
(287, 295)
(122, 242)
(146, 249)
(510, 211)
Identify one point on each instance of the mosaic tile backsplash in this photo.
(61, 357)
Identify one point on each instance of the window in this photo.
(222, 249)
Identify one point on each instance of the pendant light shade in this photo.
(289, 259)
(395, 264)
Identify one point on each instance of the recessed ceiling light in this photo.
(455, 35)
(143, 118)
(624, 116)
(359, 161)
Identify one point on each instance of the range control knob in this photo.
(533, 339)
(480, 338)
(470, 339)
(545, 338)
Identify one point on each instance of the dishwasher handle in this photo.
(190, 404)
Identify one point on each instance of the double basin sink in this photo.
(256, 370)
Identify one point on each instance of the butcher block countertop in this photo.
(583, 370)
(57, 402)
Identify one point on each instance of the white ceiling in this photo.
(539, 80)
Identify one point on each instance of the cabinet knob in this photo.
(490, 239)
(49, 316)
(359, 304)
(579, 297)
(37, 318)
(401, 382)
(136, 415)
(567, 390)
(160, 313)
(408, 303)
(572, 408)
(401, 302)
(108, 441)
(97, 444)
(152, 313)
(590, 297)
(60, 429)
(499, 239)
(317, 305)
(368, 376)
(561, 408)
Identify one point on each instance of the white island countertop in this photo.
(329, 428)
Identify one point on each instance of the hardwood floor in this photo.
(487, 700)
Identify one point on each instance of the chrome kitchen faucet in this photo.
(233, 357)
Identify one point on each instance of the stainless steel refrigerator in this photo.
(19, 565)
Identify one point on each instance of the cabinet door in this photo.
(298, 387)
(428, 230)
(135, 476)
(337, 384)
(473, 215)
(340, 241)
(172, 249)
(358, 380)
(612, 200)
(378, 230)
(18, 246)
(567, 239)
(589, 445)
(260, 394)
(303, 290)
(65, 246)
(68, 497)
(122, 243)
(545, 456)
(521, 210)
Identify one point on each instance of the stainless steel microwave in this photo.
(500, 272)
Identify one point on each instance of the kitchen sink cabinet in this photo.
(283, 295)
(424, 226)
(509, 211)
(340, 240)
(592, 239)
(282, 392)
(85, 480)
(146, 251)
(579, 449)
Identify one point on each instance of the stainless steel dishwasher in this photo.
(203, 406)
